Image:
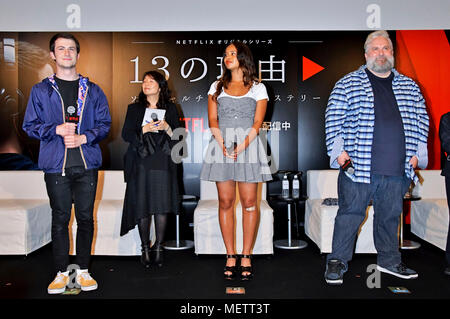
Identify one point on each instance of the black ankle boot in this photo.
(145, 258)
(158, 253)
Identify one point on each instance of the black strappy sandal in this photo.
(248, 269)
(230, 269)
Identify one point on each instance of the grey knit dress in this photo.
(236, 115)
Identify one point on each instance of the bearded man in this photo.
(377, 122)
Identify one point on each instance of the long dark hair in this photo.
(164, 93)
(246, 64)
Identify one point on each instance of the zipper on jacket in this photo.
(64, 121)
(79, 126)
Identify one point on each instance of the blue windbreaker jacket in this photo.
(45, 111)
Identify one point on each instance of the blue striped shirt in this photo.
(350, 118)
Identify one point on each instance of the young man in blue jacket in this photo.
(375, 118)
(70, 116)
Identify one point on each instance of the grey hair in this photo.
(375, 34)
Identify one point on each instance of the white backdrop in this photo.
(213, 15)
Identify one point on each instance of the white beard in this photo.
(380, 68)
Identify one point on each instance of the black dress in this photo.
(150, 173)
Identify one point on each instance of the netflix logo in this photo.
(193, 124)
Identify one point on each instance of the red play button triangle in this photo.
(310, 68)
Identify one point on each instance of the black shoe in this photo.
(230, 271)
(447, 271)
(334, 272)
(145, 258)
(246, 269)
(400, 271)
(158, 253)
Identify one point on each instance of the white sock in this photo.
(79, 271)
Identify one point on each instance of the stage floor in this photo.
(290, 281)
(289, 277)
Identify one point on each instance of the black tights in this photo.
(144, 229)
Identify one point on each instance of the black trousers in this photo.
(78, 186)
(447, 249)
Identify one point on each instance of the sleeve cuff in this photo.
(422, 155)
(336, 150)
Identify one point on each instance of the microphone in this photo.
(154, 117)
(71, 115)
(348, 167)
(232, 148)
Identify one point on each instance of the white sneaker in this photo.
(86, 282)
(58, 285)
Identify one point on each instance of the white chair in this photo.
(107, 220)
(207, 234)
(319, 218)
(25, 213)
(430, 215)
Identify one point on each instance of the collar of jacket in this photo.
(362, 69)
(82, 89)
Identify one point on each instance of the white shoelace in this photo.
(85, 275)
(59, 277)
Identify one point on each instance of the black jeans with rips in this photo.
(78, 186)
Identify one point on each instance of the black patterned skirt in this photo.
(149, 192)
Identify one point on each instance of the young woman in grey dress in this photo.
(237, 104)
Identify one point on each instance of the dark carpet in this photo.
(286, 279)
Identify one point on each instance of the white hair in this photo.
(376, 34)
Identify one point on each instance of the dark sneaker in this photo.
(334, 273)
(400, 271)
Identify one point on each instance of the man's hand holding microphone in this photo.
(67, 132)
(346, 163)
